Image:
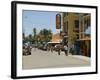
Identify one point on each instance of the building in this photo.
(85, 35)
(56, 38)
(77, 28)
(71, 27)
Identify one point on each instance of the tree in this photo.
(34, 31)
(34, 37)
(23, 37)
(30, 38)
(73, 38)
(45, 35)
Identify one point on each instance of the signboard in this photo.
(58, 21)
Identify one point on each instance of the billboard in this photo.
(58, 21)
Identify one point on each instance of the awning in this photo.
(83, 39)
(54, 42)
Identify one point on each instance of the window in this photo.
(66, 26)
(77, 36)
(76, 23)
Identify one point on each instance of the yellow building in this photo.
(71, 26)
(76, 25)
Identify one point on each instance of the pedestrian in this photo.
(72, 49)
(48, 48)
(59, 49)
(52, 49)
(66, 49)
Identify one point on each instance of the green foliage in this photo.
(72, 38)
(43, 36)
(34, 32)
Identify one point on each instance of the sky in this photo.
(39, 20)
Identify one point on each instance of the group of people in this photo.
(59, 48)
(65, 49)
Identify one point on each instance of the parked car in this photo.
(45, 47)
(40, 46)
(27, 50)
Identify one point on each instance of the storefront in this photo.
(85, 47)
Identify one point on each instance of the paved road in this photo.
(47, 59)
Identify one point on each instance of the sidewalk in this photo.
(85, 58)
(81, 57)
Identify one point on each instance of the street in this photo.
(48, 59)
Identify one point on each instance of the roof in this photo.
(53, 42)
(56, 38)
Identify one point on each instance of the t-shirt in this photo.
(65, 47)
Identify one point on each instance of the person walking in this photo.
(66, 49)
(52, 49)
(72, 49)
(58, 48)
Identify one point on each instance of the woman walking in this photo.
(66, 50)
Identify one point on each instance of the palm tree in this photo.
(34, 31)
(45, 35)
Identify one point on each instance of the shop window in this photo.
(76, 23)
